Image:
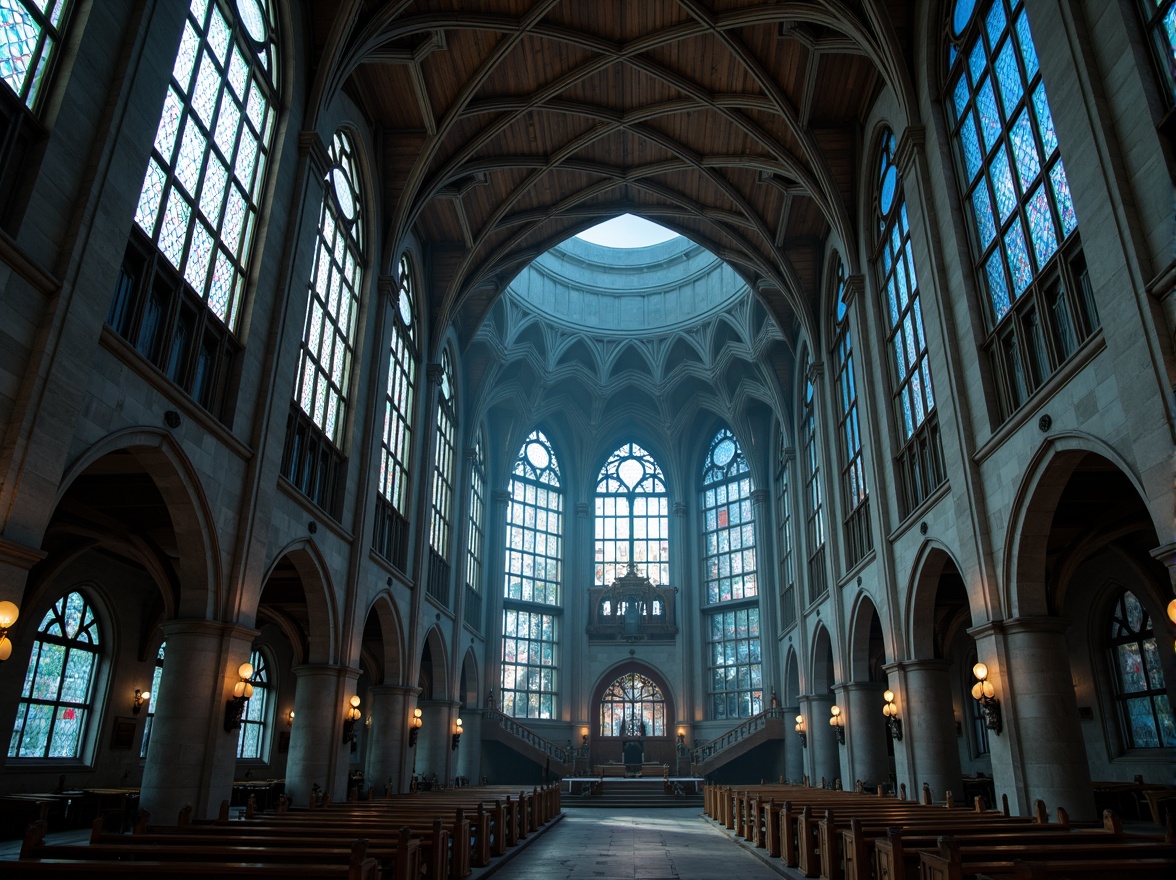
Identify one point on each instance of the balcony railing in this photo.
(562, 754)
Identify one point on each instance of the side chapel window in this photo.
(1159, 17)
(251, 739)
(1144, 710)
(57, 697)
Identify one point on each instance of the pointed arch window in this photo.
(855, 500)
(477, 535)
(156, 678)
(784, 533)
(632, 519)
(390, 536)
(314, 453)
(58, 693)
(734, 668)
(178, 296)
(920, 459)
(1144, 711)
(1159, 17)
(1024, 229)
(251, 739)
(444, 468)
(813, 491)
(633, 705)
(532, 588)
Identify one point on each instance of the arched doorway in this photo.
(633, 717)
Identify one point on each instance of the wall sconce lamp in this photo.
(8, 615)
(893, 722)
(584, 736)
(1171, 617)
(681, 736)
(414, 727)
(290, 718)
(457, 729)
(242, 691)
(984, 693)
(837, 723)
(800, 731)
(353, 715)
(141, 697)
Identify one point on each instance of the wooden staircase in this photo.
(555, 759)
(767, 726)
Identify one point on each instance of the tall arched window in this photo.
(920, 460)
(477, 535)
(318, 414)
(444, 469)
(251, 740)
(1144, 711)
(156, 678)
(58, 691)
(30, 34)
(855, 500)
(632, 517)
(390, 536)
(1159, 17)
(814, 494)
(633, 705)
(1013, 180)
(178, 297)
(534, 554)
(784, 533)
(735, 673)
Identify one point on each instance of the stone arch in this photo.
(791, 695)
(469, 685)
(382, 640)
(199, 591)
(434, 673)
(822, 662)
(931, 562)
(866, 639)
(624, 667)
(1025, 591)
(316, 628)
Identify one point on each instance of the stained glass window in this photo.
(399, 393)
(56, 700)
(156, 677)
(633, 706)
(530, 663)
(477, 535)
(1014, 183)
(784, 534)
(534, 525)
(444, 464)
(1159, 17)
(251, 739)
(30, 33)
(920, 463)
(203, 183)
(332, 308)
(813, 491)
(1144, 710)
(735, 669)
(632, 517)
(854, 497)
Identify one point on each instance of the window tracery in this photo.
(1144, 710)
(633, 705)
(632, 517)
(813, 490)
(855, 497)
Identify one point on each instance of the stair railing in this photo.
(736, 734)
(563, 754)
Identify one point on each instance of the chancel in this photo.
(608, 397)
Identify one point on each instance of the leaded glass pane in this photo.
(29, 35)
(1146, 713)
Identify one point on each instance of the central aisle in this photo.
(664, 844)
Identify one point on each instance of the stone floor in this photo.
(671, 844)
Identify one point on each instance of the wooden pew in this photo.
(953, 863)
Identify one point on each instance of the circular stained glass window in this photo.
(405, 308)
(252, 18)
(630, 472)
(537, 455)
(724, 452)
(343, 194)
(962, 15)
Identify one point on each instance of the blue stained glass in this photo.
(960, 95)
(900, 278)
(900, 355)
(1061, 190)
(973, 158)
(174, 228)
(1025, 151)
(990, 122)
(150, 197)
(169, 125)
(1049, 138)
(928, 389)
(908, 335)
(1018, 256)
(917, 397)
(982, 209)
(996, 22)
(199, 256)
(1028, 50)
(1002, 185)
(961, 15)
(910, 264)
(1041, 227)
(920, 335)
(908, 422)
(977, 61)
(18, 40)
(1009, 75)
(892, 300)
(998, 291)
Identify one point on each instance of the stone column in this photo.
(930, 748)
(317, 751)
(865, 733)
(1040, 753)
(824, 750)
(191, 758)
(389, 760)
(793, 754)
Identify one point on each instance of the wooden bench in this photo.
(1115, 862)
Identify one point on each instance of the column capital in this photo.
(1040, 624)
(916, 665)
(815, 371)
(1166, 554)
(433, 373)
(910, 146)
(214, 628)
(500, 496)
(760, 497)
(854, 285)
(581, 510)
(679, 508)
(311, 145)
